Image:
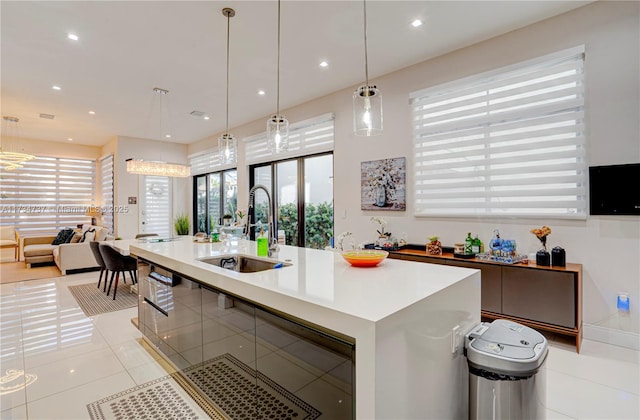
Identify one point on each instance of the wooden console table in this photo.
(544, 298)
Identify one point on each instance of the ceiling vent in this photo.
(198, 114)
(47, 116)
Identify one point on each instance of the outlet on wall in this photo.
(623, 302)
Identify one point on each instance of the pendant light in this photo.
(227, 143)
(367, 99)
(158, 168)
(11, 155)
(277, 125)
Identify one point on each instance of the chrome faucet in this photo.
(273, 242)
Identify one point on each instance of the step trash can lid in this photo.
(504, 346)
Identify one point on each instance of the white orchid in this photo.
(382, 222)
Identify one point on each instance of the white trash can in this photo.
(507, 376)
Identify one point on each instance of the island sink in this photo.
(243, 263)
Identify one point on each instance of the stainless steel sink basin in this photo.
(243, 263)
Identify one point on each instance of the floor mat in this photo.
(230, 384)
(162, 398)
(94, 301)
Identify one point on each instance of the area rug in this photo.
(162, 398)
(94, 301)
(14, 271)
(231, 385)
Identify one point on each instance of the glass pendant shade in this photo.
(227, 143)
(367, 111)
(228, 147)
(277, 134)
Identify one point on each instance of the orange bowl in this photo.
(364, 257)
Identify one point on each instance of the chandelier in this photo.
(10, 156)
(156, 168)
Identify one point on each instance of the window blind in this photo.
(106, 175)
(306, 137)
(47, 194)
(506, 143)
(157, 205)
(207, 162)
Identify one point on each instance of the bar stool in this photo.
(103, 268)
(117, 263)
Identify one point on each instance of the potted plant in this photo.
(181, 223)
(240, 217)
(434, 246)
(227, 219)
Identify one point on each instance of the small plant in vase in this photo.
(384, 238)
(182, 225)
(240, 218)
(226, 218)
(434, 246)
(542, 256)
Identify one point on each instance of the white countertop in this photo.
(318, 277)
(417, 310)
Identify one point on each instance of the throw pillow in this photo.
(69, 238)
(88, 235)
(62, 236)
(76, 238)
(101, 234)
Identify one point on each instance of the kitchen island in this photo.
(398, 327)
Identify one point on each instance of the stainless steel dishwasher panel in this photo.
(169, 314)
(155, 301)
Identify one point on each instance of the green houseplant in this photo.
(181, 224)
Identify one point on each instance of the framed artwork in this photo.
(383, 184)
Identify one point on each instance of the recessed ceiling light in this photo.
(261, 92)
(416, 23)
(69, 139)
(72, 36)
(56, 87)
(92, 112)
(167, 136)
(323, 64)
(206, 117)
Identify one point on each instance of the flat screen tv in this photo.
(614, 190)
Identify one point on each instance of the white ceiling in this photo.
(126, 48)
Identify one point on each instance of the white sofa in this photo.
(69, 256)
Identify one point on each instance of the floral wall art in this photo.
(382, 184)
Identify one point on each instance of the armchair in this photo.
(10, 238)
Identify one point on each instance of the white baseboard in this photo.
(611, 336)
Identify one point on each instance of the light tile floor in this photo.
(79, 359)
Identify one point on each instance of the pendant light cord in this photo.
(226, 130)
(366, 61)
(278, 69)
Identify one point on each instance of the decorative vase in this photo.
(381, 196)
(434, 248)
(543, 258)
(383, 241)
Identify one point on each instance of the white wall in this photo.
(608, 247)
(127, 185)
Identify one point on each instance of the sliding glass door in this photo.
(215, 195)
(302, 190)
